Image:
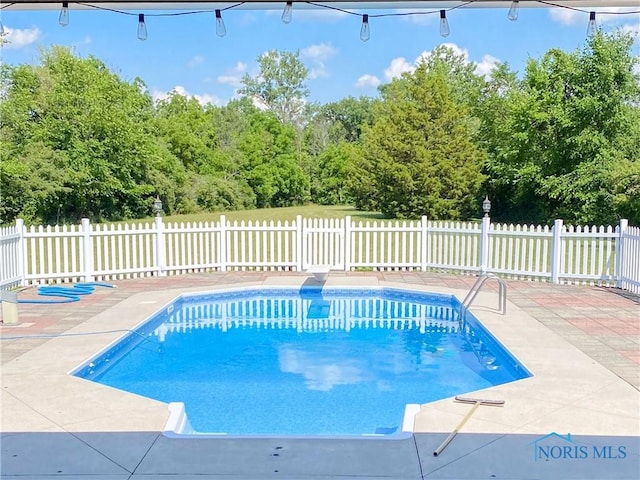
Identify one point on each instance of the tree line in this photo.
(562, 141)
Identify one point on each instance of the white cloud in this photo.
(158, 95)
(565, 16)
(205, 99)
(457, 50)
(18, 38)
(324, 15)
(247, 18)
(233, 76)
(87, 40)
(318, 55)
(319, 52)
(486, 66)
(399, 65)
(426, 18)
(259, 104)
(368, 81)
(195, 61)
(323, 372)
(633, 29)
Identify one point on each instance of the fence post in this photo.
(22, 252)
(299, 242)
(222, 244)
(87, 250)
(557, 251)
(160, 246)
(484, 244)
(619, 251)
(346, 244)
(424, 251)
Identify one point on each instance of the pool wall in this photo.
(178, 426)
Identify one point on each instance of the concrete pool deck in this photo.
(581, 343)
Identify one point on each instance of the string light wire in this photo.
(332, 7)
(582, 10)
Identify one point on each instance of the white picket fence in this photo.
(85, 252)
(308, 314)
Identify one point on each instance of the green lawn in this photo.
(275, 214)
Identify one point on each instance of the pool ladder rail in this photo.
(477, 286)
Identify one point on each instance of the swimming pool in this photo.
(304, 361)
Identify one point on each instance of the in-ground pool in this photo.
(304, 361)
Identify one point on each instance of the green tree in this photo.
(200, 138)
(464, 84)
(93, 127)
(568, 136)
(280, 86)
(331, 175)
(327, 136)
(419, 150)
(347, 117)
(270, 164)
(361, 184)
(32, 183)
(187, 129)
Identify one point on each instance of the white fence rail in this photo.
(11, 255)
(628, 260)
(86, 252)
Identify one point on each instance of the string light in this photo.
(592, 28)
(513, 11)
(365, 33)
(63, 19)
(142, 27)
(287, 13)
(221, 30)
(444, 24)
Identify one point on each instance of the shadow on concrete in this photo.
(150, 455)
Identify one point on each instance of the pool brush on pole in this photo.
(476, 403)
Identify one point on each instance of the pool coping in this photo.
(569, 392)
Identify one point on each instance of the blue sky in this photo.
(183, 53)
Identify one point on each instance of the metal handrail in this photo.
(477, 286)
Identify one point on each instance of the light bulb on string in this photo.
(142, 27)
(287, 13)
(444, 24)
(221, 30)
(365, 33)
(513, 11)
(63, 19)
(592, 28)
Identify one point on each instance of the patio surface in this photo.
(581, 343)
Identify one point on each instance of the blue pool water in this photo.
(305, 361)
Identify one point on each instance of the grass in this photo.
(275, 214)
